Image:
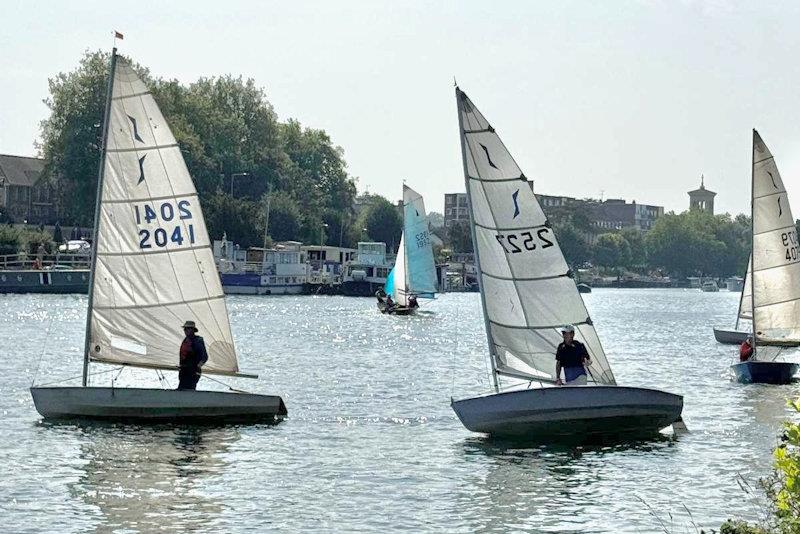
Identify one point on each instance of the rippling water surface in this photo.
(371, 443)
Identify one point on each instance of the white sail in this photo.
(399, 281)
(155, 268)
(746, 300)
(526, 286)
(776, 254)
(420, 267)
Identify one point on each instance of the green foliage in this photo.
(638, 251)
(785, 489)
(611, 250)
(9, 240)
(575, 248)
(384, 223)
(225, 126)
(695, 242)
(740, 527)
(459, 237)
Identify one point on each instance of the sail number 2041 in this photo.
(516, 243)
(162, 215)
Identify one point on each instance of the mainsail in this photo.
(420, 268)
(154, 264)
(776, 254)
(526, 285)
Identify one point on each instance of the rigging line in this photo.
(226, 385)
(79, 376)
(44, 347)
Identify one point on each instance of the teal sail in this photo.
(420, 269)
(389, 287)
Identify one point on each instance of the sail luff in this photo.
(96, 221)
(489, 338)
(745, 310)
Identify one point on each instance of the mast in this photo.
(744, 283)
(462, 135)
(100, 174)
(752, 237)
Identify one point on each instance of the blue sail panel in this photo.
(420, 267)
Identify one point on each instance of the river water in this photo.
(371, 443)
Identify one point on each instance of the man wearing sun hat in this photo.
(192, 357)
(572, 357)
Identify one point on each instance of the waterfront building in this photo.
(456, 209)
(367, 272)
(25, 193)
(327, 263)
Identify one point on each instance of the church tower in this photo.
(702, 199)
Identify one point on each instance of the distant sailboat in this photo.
(528, 293)
(745, 311)
(775, 274)
(152, 269)
(414, 272)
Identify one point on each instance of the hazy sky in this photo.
(634, 99)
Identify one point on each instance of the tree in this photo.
(383, 222)
(459, 237)
(635, 239)
(575, 248)
(612, 250)
(285, 217)
(225, 126)
(687, 244)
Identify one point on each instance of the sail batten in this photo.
(774, 275)
(526, 292)
(154, 264)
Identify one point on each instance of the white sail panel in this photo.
(399, 286)
(155, 267)
(421, 272)
(526, 286)
(776, 258)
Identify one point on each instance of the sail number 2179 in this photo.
(516, 243)
(163, 215)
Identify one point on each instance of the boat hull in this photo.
(756, 372)
(395, 310)
(156, 405)
(730, 337)
(570, 412)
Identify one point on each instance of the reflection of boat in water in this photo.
(146, 479)
(512, 488)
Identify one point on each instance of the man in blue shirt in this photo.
(572, 357)
(192, 357)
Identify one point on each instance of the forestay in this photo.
(776, 255)
(420, 268)
(155, 268)
(526, 286)
(746, 301)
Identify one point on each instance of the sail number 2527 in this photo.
(516, 243)
(163, 215)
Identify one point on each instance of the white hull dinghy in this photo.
(528, 293)
(772, 287)
(414, 273)
(152, 268)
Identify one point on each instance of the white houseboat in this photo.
(367, 272)
(282, 270)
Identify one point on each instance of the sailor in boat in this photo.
(192, 357)
(412, 302)
(389, 302)
(746, 350)
(572, 357)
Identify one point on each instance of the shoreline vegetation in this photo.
(241, 155)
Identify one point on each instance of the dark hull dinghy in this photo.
(773, 295)
(152, 268)
(528, 293)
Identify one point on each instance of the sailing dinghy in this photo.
(736, 336)
(528, 293)
(775, 275)
(414, 273)
(152, 269)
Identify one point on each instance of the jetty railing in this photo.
(32, 262)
